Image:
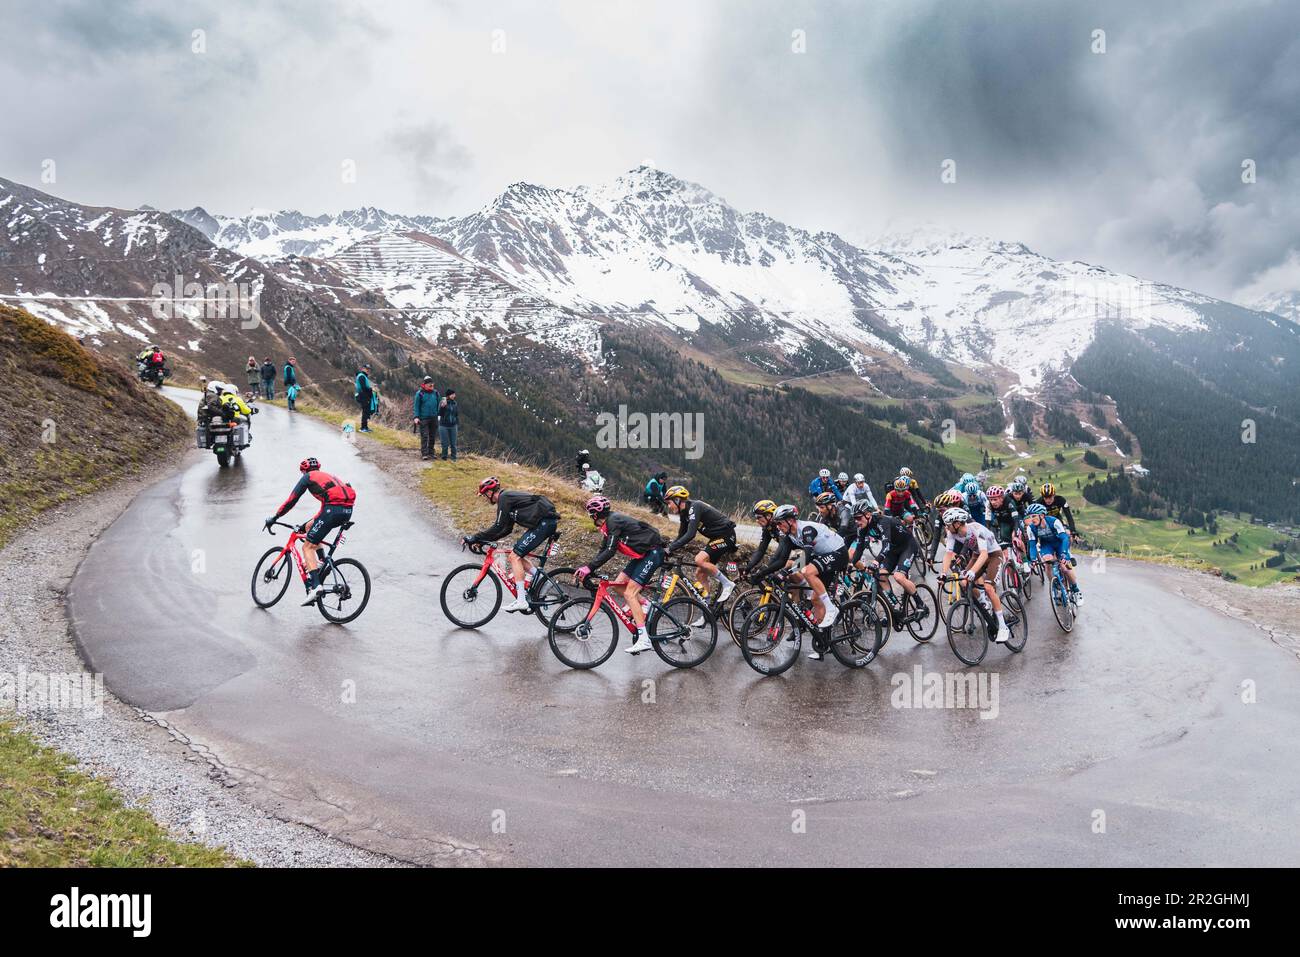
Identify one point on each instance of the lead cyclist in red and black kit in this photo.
(336, 499)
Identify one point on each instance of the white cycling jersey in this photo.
(853, 495)
(816, 538)
(975, 539)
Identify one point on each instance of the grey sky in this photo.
(1130, 158)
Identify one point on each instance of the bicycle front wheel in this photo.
(467, 604)
(271, 577)
(579, 638)
(768, 639)
(348, 585)
(683, 632)
(923, 629)
(967, 632)
(1013, 612)
(549, 592)
(1062, 607)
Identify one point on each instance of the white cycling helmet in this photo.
(956, 515)
(824, 473)
(842, 477)
(905, 471)
(859, 477)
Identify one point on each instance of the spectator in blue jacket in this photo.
(425, 411)
(824, 483)
(268, 378)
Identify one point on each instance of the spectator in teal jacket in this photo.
(365, 394)
(425, 412)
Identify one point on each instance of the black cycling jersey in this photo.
(1007, 516)
(1058, 507)
(704, 519)
(628, 535)
(526, 508)
(769, 533)
(890, 530)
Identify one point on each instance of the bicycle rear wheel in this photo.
(271, 577)
(349, 591)
(467, 604)
(769, 641)
(856, 634)
(923, 629)
(967, 632)
(683, 632)
(1013, 612)
(579, 642)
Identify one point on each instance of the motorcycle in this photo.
(154, 375)
(227, 437)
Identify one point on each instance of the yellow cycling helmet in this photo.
(765, 507)
(1049, 490)
(677, 491)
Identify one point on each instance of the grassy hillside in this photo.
(70, 423)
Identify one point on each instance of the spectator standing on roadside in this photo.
(365, 394)
(426, 413)
(268, 378)
(448, 423)
(253, 375)
(291, 382)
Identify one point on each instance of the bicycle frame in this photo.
(294, 548)
(490, 553)
(674, 575)
(603, 598)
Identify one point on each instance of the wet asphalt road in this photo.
(481, 747)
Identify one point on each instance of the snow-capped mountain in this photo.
(650, 249)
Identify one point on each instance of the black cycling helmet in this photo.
(862, 508)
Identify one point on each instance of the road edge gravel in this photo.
(152, 767)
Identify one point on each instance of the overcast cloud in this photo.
(1130, 158)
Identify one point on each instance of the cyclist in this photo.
(842, 483)
(1008, 514)
(1046, 535)
(1057, 506)
(860, 491)
(536, 513)
(835, 513)
(899, 501)
(975, 501)
(827, 554)
(942, 502)
(700, 517)
(1019, 494)
(896, 557)
(336, 499)
(640, 542)
(914, 487)
(762, 513)
(970, 538)
(823, 483)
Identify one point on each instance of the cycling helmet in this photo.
(824, 473)
(1019, 485)
(597, 506)
(972, 487)
(825, 498)
(1022, 478)
(842, 477)
(488, 484)
(905, 471)
(965, 477)
(1049, 490)
(309, 464)
(765, 507)
(785, 513)
(1038, 508)
(583, 452)
(954, 515)
(677, 491)
(661, 476)
(859, 477)
(996, 491)
(862, 508)
(901, 484)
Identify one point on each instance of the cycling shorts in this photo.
(899, 557)
(717, 547)
(327, 519)
(1057, 547)
(830, 564)
(640, 569)
(533, 539)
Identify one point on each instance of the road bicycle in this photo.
(919, 616)
(971, 623)
(1012, 577)
(771, 635)
(346, 581)
(471, 593)
(1064, 605)
(584, 631)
